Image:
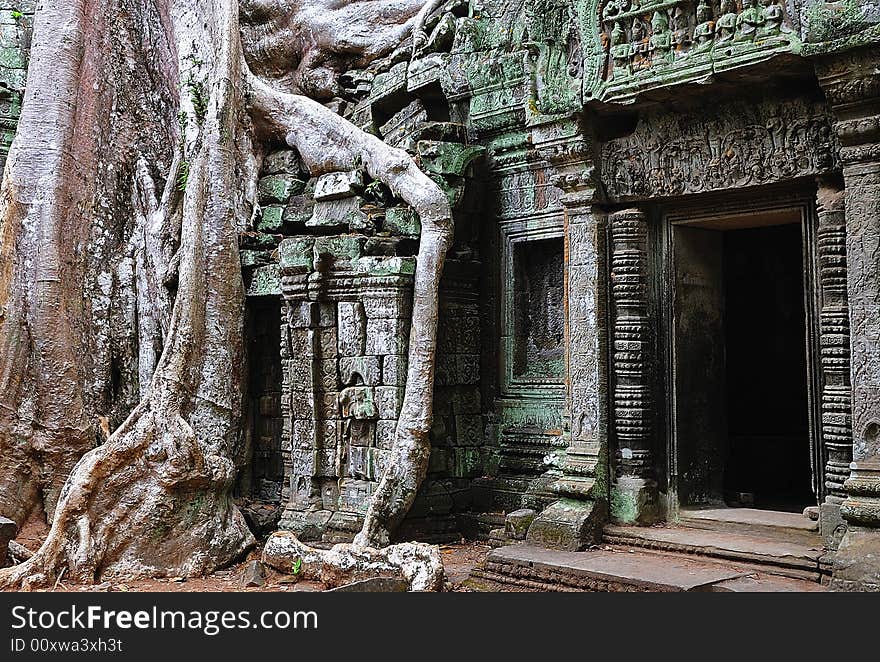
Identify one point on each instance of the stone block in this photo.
(338, 185)
(346, 521)
(326, 314)
(385, 434)
(298, 210)
(832, 526)
(265, 281)
(329, 434)
(336, 214)
(468, 430)
(354, 494)
(468, 368)
(308, 525)
(327, 342)
(329, 493)
(329, 374)
(389, 400)
(303, 434)
(377, 462)
(635, 501)
(271, 219)
(326, 463)
(296, 254)
(388, 307)
(517, 523)
(568, 525)
(304, 462)
(338, 249)
(468, 462)
(277, 189)
(386, 266)
(284, 161)
(360, 369)
(329, 405)
(402, 221)
(359, 432)
(394, 370)
(856, 565)
(254, 258)
(352, 328)
(358, 459)
(387, 336)
(358, 402)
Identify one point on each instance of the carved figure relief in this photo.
(741, 145)
(645, 39)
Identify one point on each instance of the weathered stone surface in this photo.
(337, 185)
(271, 219)
(277, 189)
(352, 328)
(567, 524)
(252, 575)
(635, 501)
(338, 213)
(284, 161)
(517, 523)
(360, 369)
(402, 221)
(358, 402)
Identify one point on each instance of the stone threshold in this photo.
(798, 558)
(529, 568)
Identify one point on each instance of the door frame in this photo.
(727, 207)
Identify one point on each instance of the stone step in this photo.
(776, 525)
(786, 558)
(524, 567)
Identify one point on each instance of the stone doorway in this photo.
(740, 359)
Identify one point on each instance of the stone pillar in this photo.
(834, 359)
(634, 497)
(575, 520)
(852, 84)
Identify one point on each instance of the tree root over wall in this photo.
(155, 497)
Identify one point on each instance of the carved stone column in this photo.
(575, 520)
(852, 84)
(634, 497)
(835, 365)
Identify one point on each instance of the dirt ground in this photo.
(458, 559)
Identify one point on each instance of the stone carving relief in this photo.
(740, 145)
(651, 43)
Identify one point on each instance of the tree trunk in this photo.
(116, 298)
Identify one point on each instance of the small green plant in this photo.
(297, 566)
(199, 98)
(183, 175)
(17, 14)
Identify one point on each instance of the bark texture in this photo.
(120, 283)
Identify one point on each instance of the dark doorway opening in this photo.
(740, 402)
(765, 346)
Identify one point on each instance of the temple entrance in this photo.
(740, 377)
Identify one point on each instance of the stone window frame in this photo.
(513, 233)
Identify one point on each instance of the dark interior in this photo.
(766, 374)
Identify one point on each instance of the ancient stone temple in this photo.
(663, 300)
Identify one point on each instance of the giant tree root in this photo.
(417, 563)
